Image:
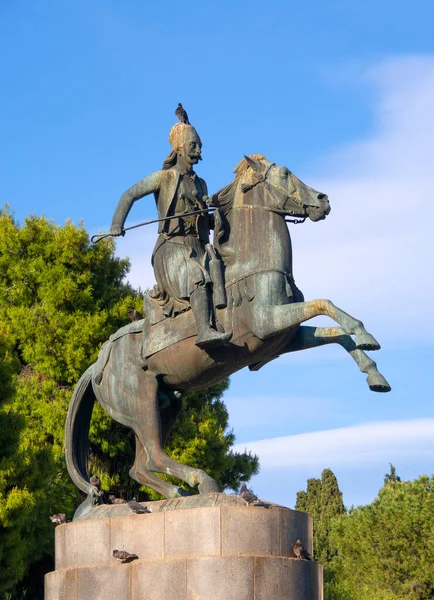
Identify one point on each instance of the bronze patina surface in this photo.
(206, 321)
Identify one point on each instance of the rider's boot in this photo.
(207, 337)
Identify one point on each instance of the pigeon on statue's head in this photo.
(181, 113)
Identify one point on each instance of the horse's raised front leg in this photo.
(269, 320)
(311, 337)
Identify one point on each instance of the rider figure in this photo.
(179, 258)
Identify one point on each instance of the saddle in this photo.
(161, 331)
(157, 332)
(104, 354)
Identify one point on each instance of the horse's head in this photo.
(287, 194)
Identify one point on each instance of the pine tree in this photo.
(386, 549)
(60, 299)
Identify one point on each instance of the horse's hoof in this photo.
(208, 486)
(377, 383)
(366, 341)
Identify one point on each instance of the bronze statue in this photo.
(180, 259)
(146, 366)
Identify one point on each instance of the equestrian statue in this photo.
(215, 308)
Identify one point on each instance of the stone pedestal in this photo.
(221, 551)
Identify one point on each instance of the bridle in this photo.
(262, 178)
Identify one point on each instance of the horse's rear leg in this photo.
(311, 337)
(159, 462)
(273, 319)
(140, 473)
(149, 431)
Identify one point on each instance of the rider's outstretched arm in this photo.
(143, 188)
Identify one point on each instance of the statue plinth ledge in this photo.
(206, 547)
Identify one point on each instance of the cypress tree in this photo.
(323, 501)
(391, 477)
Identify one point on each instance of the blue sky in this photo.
(342, 94)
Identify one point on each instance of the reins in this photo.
(256, 207)
(97, 238)
(262, 178)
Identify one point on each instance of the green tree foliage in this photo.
(385, 550)
(60, 298)
(382, 551)
(391, 477)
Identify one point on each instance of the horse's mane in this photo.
(223, 200)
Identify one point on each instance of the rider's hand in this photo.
(116, 230)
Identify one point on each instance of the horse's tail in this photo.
(77, 438)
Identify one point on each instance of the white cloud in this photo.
(373, 254)
(356, 446)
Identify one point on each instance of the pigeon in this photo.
(134, 314)
(138, 508)
(181, 114)
(247, 495)
(123, 556)
(96, 481)
(115, 500)
(300, 552)
(58, 519)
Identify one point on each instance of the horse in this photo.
(145, 367)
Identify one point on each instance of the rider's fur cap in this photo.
(180, 133)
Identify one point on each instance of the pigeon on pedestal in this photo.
(123, 556)
(115, 500)
(301, 552)
(138, 508)
(247, 495)
(58, 519)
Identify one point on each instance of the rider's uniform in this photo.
(179, 258)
